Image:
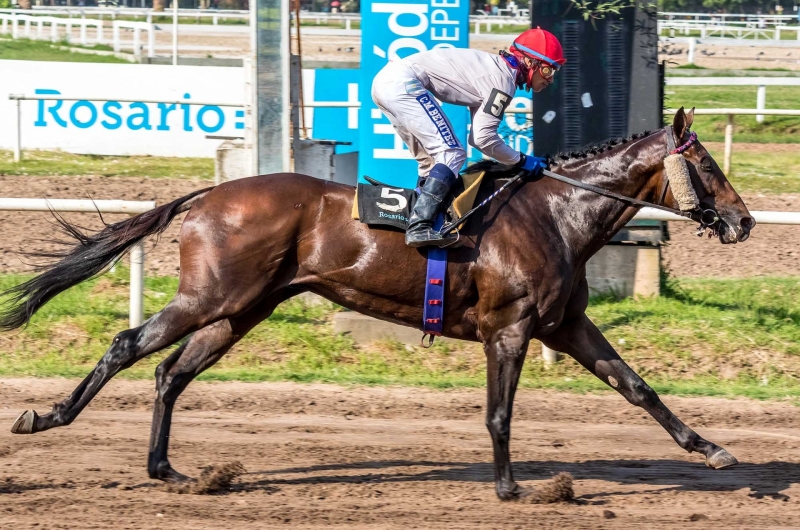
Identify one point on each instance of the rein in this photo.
(707, 218)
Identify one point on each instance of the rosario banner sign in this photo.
(393, 31)
(133, 122)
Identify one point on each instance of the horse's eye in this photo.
(706, 166)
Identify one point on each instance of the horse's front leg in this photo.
(581, 339)
(505, 353)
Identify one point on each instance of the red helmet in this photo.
(540, 45)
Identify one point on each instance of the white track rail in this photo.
(136, 316)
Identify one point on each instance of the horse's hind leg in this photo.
(165, 328)
(581, 339)
(174, 374)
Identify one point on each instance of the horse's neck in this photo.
(587, 220)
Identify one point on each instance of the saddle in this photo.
(381, 206)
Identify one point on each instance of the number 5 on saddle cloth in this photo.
(382, 206)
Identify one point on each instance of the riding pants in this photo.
(418, 118)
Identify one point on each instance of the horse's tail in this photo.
(91, 256)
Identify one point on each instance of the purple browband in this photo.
(687, 145)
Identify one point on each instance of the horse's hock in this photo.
(628, 266)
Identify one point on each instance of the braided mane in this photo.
(490, 166)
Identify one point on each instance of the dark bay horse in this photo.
(248, 245)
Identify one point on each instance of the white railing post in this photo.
(17, 130)
(137, 52)
(28, 26)
(726, 165)
(5, 26)
(100, 38)
(151, 42)
(175, 34)
(68, 31)
(83, 33)
(53, 30)
(550, 356)
(347, 24)
(690, 58)
(761, 102)
(115, 36)
(136, 316)
(14, 28)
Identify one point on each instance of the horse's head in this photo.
(711, 186)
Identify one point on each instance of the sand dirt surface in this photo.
(359, 457)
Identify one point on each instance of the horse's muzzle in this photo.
(734, 228)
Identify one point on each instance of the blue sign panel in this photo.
(393, 31)
(338, 124)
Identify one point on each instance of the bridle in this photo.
(707, 218)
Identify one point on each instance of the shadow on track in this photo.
(764, 480)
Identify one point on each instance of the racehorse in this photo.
(248, 245)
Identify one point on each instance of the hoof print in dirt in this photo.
(213, 479)
(557, 489)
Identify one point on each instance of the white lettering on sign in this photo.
(396, 10)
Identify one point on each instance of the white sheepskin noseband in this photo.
(678, 177)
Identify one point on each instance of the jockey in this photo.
(407, 90)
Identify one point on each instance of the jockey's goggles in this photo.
(547, 70)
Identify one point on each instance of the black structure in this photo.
(611, 83)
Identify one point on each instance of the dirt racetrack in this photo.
(361, 457)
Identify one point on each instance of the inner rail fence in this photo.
(22, 26)
(730, 113)
(136, 311)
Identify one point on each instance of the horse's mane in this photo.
(496, 168)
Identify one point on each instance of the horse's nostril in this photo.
(747, 223)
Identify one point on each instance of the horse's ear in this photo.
(679, 124)
(690, 118)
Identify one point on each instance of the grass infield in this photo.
(774, 129)
(39, 50)
(703, 337)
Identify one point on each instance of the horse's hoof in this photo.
(514, 494)
(721, 459)
(26, 423)
(170, 476)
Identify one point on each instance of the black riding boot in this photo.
(420, 230)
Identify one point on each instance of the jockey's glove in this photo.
(532, 164)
